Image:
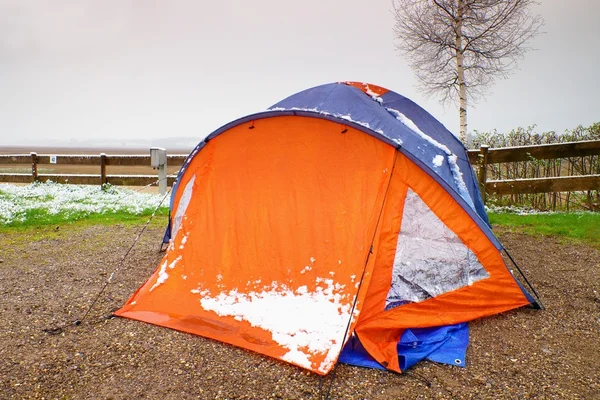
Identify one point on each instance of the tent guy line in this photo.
(59, 329)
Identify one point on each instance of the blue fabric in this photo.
(167, 235)
(427, 123)
(445, 344)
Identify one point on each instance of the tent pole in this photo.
(537, 296)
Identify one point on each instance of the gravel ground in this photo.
(51, 276)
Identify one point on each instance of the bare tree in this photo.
(458, 48)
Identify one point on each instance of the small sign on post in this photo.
(158, 159)
(53, 159)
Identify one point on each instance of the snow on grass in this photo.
(496, 209)
(524, 210)
(23, 203)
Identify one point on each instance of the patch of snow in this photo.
(322, 112)
(458, 179)
(373, 95)
(17, 202)
(452, 158)
(175, 261)
(306, 269)
(413, 127)
(162, 275)
(304, 323)
(182, 207)
(438, 160)
(302, 290)
(341, 116)
(491, 208)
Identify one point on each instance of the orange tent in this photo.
(343, 210)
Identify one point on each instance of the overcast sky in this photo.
(115, 70)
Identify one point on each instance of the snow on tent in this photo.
(343, 215)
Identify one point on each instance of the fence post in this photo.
(158, 159)
(103, 178)
(162, 177)
(483, 160)
(34, 168)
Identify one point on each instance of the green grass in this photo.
(584, 227)
(41, 218)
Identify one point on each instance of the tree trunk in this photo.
(460, 74)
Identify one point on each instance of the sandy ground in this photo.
(51, 276)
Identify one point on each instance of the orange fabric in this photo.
(385, 247)
(286, 206)
(379, 330)
(292, 204)
(368, 88)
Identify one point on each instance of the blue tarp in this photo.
(445, 344)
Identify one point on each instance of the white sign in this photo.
(53, 159)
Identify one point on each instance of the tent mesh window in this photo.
(430, 259)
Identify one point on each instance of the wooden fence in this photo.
(101, 161)
(481, 159)
(485, 156)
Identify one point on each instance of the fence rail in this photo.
(485, 156)
(101, 160)
(481, 159)
(537, 152)
(87, 179)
